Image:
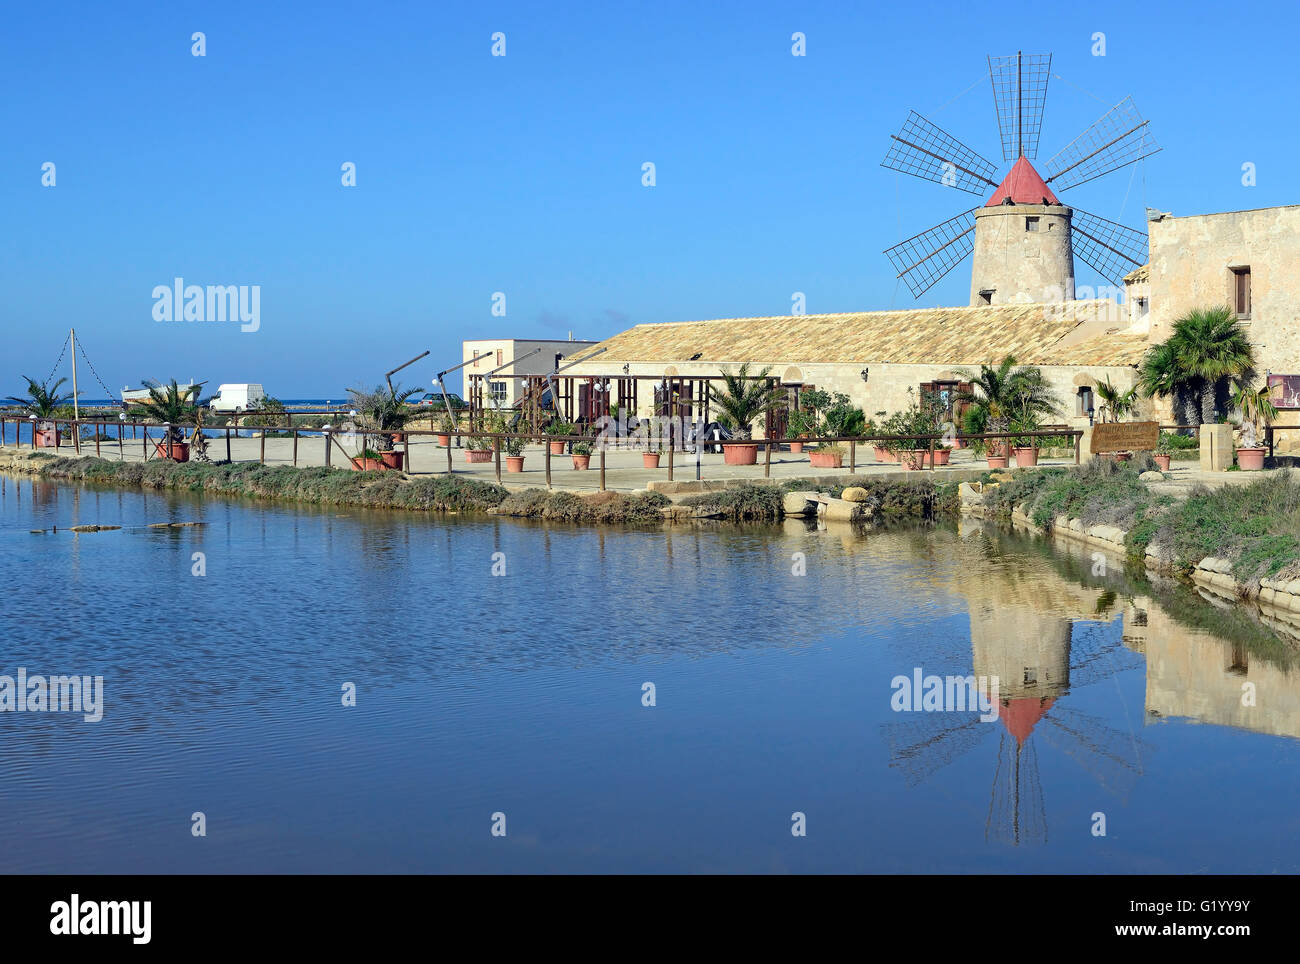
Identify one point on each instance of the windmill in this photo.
(1023, 238)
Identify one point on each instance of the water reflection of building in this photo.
(1041, 635)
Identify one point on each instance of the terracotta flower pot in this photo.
(1026, 455)
(941, 456)
(441, 440)
(911, 461)
(478, 455)
(796, 448)
(367, 465)
(557, 448)
(882, 454)
(1162, 461)
(581, 461)
(997, 461)
(650, 460)
(514, 463)
(397, 438)
(392, 460)
(1122, 456)
(1250, 460)
(739, 454)
(176, 451)
(47, 438)
(826, 460)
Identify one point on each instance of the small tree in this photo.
(744, 397)
(1118, 404)
(42, 398)
(173, 404)
(381, 413)
(1255, 407)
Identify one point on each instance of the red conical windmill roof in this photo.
(1023, 185)
(1022, 714)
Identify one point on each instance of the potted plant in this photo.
(1255, 407)
(800, 425)
(559, 427)
(514, 449)
(1025, 447)
(742, 399)
(174, 405)
(1163, 453)
(381, 416)
(999, 394)
(368, 460)
(43, 400)
(907, 430)
(446, 429)
(827, 455)
(478, 450)
(581, 455)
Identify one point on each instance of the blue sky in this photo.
(522, 174)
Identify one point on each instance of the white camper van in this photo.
(241, 397)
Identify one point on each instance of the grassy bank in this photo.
(1256, 526)
(919, 498)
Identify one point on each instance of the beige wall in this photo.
(886, 387)
(538, 363)
(1019, 265)
(1190, 261)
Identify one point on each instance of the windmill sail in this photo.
(924, 259)
(1119, 138)
(1020, 96)
(927, 151)
(1113, 250)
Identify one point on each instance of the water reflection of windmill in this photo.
(1041, 646)
(1023, 237)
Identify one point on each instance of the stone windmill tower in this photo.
(1023, 238)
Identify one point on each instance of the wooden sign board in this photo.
(1125, 437)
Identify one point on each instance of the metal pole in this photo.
(76, 411)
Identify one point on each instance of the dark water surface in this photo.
(522, 694)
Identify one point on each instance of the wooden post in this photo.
(121, 456)
(76, 435)
(261, 455)
(295, 447)
(1077, 439)
(853, 456)
(449, 468)
(144, 441)
(96, 441)
(930, 442)
(406, 452)
(602, 468)
(327, 446)
(767, 457)
(548, 462)
(496, 454)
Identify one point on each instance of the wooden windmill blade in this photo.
(1118, 138)
(1112, 249)
(1020, 97)
(1111, 756)
(924, 259)
(925, 150)
(923, 745)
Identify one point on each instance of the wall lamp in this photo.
(866, 372)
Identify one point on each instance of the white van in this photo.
(241, 397)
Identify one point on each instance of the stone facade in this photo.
(1023, 254)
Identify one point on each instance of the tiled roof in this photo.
(947, 336)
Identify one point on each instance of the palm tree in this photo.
(744, 397)
(383, 412)
(1160, 376)
(998, 396)
(172, 404)
(42, 399)
(1210, 346)
(1255, 407)
(1118, 404)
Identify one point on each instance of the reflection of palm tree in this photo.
(922, 746)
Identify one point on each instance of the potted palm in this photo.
(381, 415)
(1255, 407)
(999, 394)
(43, 401)
(581, 455)
(174, 405)
(743, 398)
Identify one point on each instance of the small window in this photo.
(498, 390)
(986, 296)
(1143, 307)
(1031, 675)
(1241, 291)
(500, 353)
(1031, 224)
(1085, 402)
